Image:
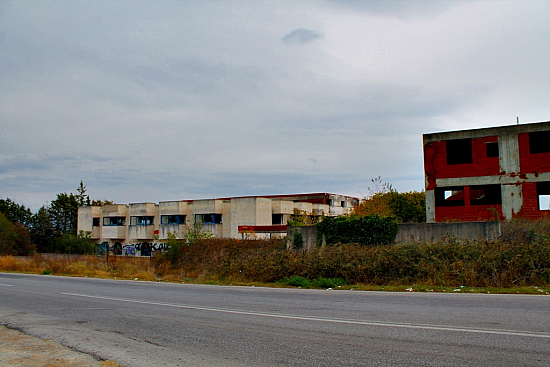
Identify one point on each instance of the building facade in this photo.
(138, 229)
(488, 174)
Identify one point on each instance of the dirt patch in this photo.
(18, 349)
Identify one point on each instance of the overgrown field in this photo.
(520, 259)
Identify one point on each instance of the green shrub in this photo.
(366, 230)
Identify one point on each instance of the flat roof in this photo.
(488, 131)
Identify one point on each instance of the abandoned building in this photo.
(488, 174)
(137, 229)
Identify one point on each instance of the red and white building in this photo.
(488, 174)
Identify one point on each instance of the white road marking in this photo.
(6, 285)
(322, 319)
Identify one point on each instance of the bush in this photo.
(367, 230)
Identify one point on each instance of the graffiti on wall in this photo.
(147, 249)
(101, 248)
(129, 250)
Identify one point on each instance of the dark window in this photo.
(329, 202)
(343, 203)
(276, 219)
(449, 196)
(117, 248)
(485, 195)
(543, 194)
(145, 249)
(492, 149)
(95, 222)
(141, 220)
(172, 219)
(539, 142)
(459, 151)
(208, 218)
(114, 221)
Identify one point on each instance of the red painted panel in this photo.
(436, 167)
(531, 163)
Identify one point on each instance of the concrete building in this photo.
(137, 229)
(488, 174)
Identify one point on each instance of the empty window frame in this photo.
(329, 202)
(95, 222)
(449, 196)
(117, 248)
(485, 195)
(114, 221)
(459, 151)
(539, 142)
(208, 218)
(172, 219)
(543, 195)
(492, 149)
(142, 220)
(276, 219)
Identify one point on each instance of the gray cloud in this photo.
(301, 36)
(159, 101)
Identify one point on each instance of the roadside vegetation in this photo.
(359, 254)
(518, 263)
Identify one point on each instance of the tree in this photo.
(64, 213)
(77, 244)
(15, 213)
(42, 230)
(14, 238)
(384, 200)
(82, 198)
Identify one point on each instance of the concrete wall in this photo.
(309, 237)
(174, 208)
(426, 232)
(415, 232)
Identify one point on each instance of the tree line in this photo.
(52, 229)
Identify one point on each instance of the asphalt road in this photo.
(161, 324)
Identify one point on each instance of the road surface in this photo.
(163, 324)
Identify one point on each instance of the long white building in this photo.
(135, 229)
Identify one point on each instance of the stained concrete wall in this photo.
(414, 232)
(425, 232)
(309, 237)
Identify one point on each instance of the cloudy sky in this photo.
(148, 101)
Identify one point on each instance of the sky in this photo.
(148, 101)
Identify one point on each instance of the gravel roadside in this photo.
(19, 349)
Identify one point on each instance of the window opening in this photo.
(276, 219)
(485, 195)
(543, 194)
(539, 142)
(117, 248)
(141, 220)
(343, 203)
(172, 219)
(208, 218)
(329, 202)
(449, 196)
(492, 149)
(114, 221)
(145, 249)
(459, 151)
(95, 222)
